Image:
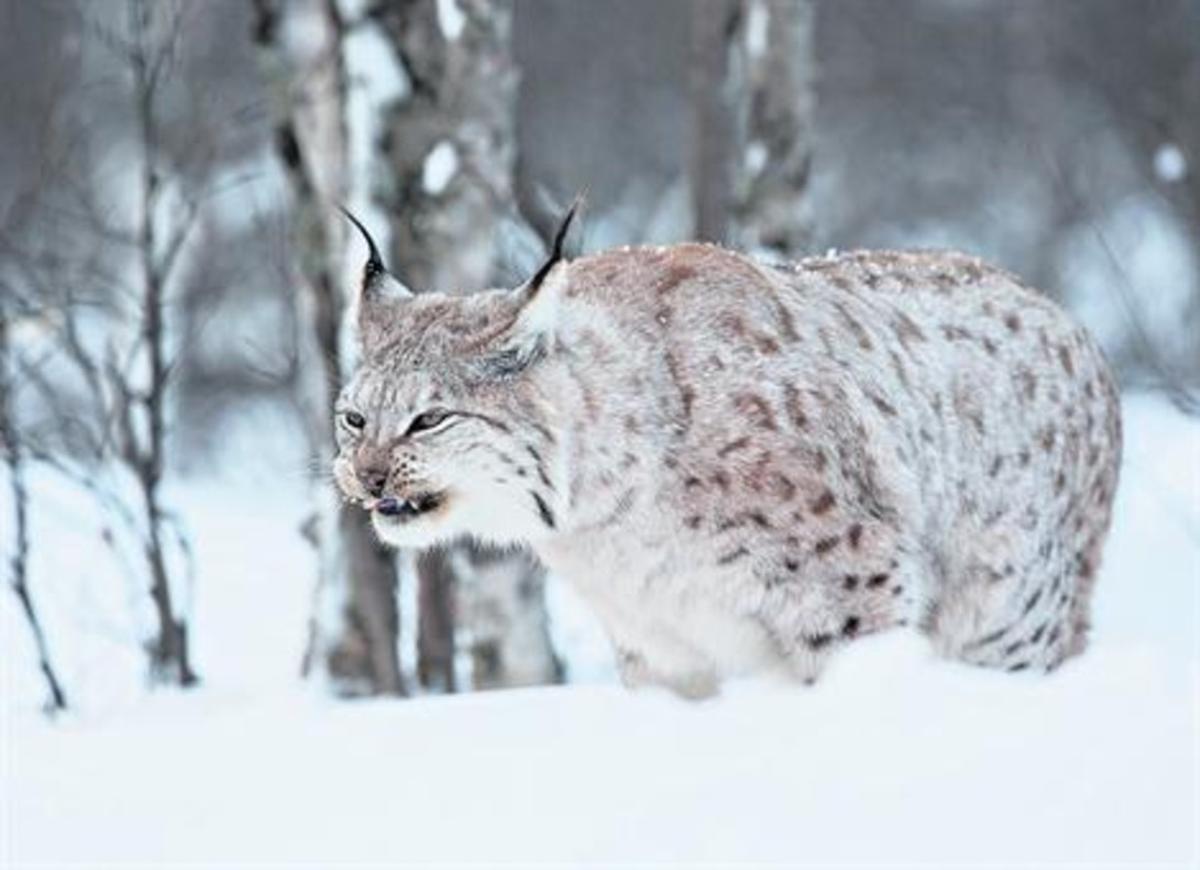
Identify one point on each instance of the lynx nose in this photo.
(373, 479)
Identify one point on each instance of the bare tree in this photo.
(354, 629)
(105, 399)
(15, 305)
(14, 462)
(149, 52)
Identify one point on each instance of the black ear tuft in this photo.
(560, 236)
(374, 266)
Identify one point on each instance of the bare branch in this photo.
(10, 446)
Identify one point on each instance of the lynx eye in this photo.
(426, 421)
(354, 419)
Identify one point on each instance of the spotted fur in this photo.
(745, 466)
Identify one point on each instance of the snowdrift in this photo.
(893, 758)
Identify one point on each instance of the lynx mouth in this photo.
(403, 510)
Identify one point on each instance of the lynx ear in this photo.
(378, 291)
(532, 332)
(538, 302)
(534, 284)
(377, 281)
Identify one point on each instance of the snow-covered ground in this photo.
(893, 758)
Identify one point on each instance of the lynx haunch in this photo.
(745, 466)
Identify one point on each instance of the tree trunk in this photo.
(360, 649)
(772, 211)
(503, 607)
(435, 622)
(715, 81)
(169, 657)
(447, 155)
(354, 628)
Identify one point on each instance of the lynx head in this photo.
(444, 429)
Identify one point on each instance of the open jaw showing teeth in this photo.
(407, 508)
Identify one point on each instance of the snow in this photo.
(757, 27)
(451, 19)
(1169, 163)
(441, 163)
(756, 158)
(893, 758)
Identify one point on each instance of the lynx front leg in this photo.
(631, 667)
(646, 622)
(694, 683)
(803, 658)
(810, 619)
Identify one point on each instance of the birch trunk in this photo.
(354, 628)
(772, 208)
(447, 157)
(715, 82)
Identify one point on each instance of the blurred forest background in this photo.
(174, 270)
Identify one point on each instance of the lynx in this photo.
(745, 466)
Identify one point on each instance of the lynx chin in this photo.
(744, 466)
